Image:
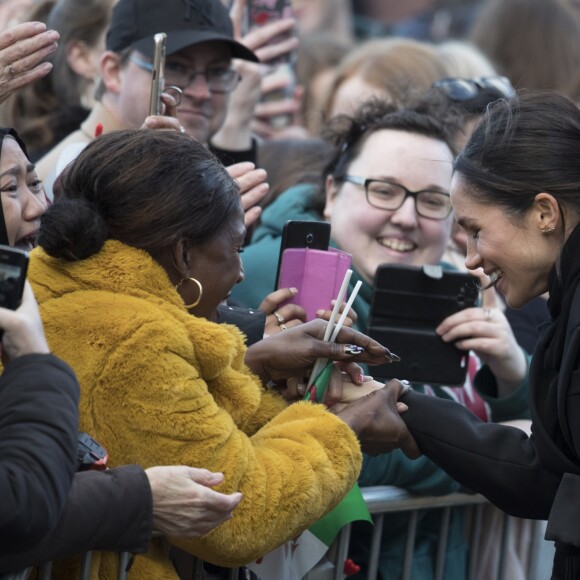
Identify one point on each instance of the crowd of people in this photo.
(150, 319)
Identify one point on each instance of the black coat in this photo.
(105, 510)
(38, 439)
(536, 477)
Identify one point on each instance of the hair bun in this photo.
(72, 230)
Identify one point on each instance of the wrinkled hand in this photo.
(488, 333)
(253, 188)
(23, 331)
(279, 318)
(23, 49)
(184, 506)
(295, 350)
(376, 421)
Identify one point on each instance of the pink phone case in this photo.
(317, 274)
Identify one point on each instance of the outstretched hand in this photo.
(253, 188)
(295, 350)
(23, 50)
(184, 505)
(375, 418)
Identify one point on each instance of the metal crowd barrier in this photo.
(380, 501)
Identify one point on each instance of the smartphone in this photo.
(303, 234)
(158, 79)
(407, 306)
(13, 268)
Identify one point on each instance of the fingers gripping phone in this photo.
(158, 80)
(13, 268)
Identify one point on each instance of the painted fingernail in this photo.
(353, 349)
(320, 312)
(293, 290)
(394, 357)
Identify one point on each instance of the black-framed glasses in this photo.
(475, 94)
(383, 194)
(219, 79)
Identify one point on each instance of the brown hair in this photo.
(395, 65)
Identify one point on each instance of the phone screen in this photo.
(13, 267)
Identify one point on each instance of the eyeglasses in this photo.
(475, 94)
(219, 79)
(382, 194)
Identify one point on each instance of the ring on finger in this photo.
(279, 317)
(11, 70)
(488, 313)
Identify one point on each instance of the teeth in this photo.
(495, 276)
(397, 245)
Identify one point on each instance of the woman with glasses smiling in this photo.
(386, 194)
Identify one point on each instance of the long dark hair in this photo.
(523, 146)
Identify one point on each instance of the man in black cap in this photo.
(200, 49)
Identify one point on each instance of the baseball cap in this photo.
(186, 22)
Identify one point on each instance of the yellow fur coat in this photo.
(162, 387)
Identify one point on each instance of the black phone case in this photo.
(303, 234)
(408, 304)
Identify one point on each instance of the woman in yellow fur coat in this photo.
(133, 262)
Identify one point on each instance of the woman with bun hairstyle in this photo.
(141, 247)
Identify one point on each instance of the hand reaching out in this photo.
(376, 421)
(23, 50)
(184, 505)
(253, 188)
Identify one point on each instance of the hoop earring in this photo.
(193, 304)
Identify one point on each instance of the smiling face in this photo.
(23, 197)
(375, 236)
(512, 250)
(217, 264)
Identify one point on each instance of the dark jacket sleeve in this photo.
(105, 510)
(497, 461)
(38, 443)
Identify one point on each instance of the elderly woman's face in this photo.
(23, 197)
(375, 236)
(217, 264)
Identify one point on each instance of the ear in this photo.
(546, 212)
(78, 56)
(331, 188)
(110, 67)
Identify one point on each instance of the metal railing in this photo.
(380, 501)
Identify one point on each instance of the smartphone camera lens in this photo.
(309, 238)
